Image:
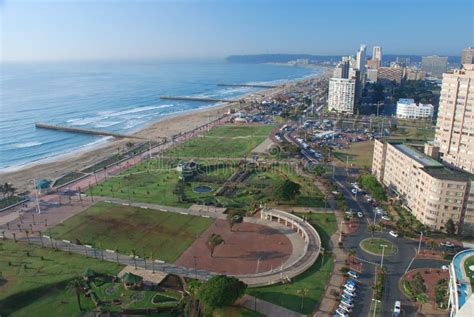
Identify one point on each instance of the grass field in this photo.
(469, 262)
(234, 311)
(360, 154)
(373, 245)
(109, 226)
(224, 141)
(35, 285)
(420, 134)
(314, 279)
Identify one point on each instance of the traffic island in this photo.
(378, 246)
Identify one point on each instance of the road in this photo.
(396, 265)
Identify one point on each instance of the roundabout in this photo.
(378, 246)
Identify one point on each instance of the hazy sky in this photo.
(67, 29)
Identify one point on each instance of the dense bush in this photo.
(372, 185)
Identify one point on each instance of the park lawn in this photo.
(126, 228)
(40, 288)
(235, 311)
(373, 246)
(419, 134)
(314, 279)
(224, 141)
(360, 154)
(467, 263)
(136, 183)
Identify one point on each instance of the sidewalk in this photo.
(328, 302)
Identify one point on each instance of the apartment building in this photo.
(433, 192)
(342, 94)
(455, 123)
(408, 109)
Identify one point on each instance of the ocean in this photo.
(114, 96)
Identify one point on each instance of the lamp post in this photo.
(419, 242)
(383, 251)
(340, 230)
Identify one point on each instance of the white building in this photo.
(372, 75)
(341, 97)
(408, 109)
(377, 53)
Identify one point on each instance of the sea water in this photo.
(113, 96)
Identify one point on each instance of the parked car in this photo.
(335, 192)
(347, 303)
(393, 233)
(347, 298)
(353, 274)
(350, 287)
(386, 218)
(345, 308)
(350, 293)
(360, 215)
(447, 244)
(340, 312)
(444, 268)
(352, 282)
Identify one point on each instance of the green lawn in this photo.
(360, 154)
(224, 141)
(35, 284)
(235, 311)
(109, 226)
(419, 134)
(314, 279)
(372, 245)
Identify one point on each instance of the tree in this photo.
(421, 298)
(288, 190)
(450, 227)
(75, 285)
(234, 218)
(221, 291)
(318, 170)
(372, 229)
(302, 292)
(213, 241)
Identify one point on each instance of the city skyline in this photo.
(71, 30)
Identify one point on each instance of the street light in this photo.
(340, 230)
(375, 306)
(383, 251)
(419, 243)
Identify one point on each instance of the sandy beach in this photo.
(55, 167)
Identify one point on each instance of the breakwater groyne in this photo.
(195, 99)
(40, 125)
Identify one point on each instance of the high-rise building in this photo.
(372, 75)
(361, 57)
(467, 56)
(377, 53)
(403, 61)
(341, 97)
(342, 69)
(433, 192)
(372, 64)
(390, 74)
(434, 65)
(415, 74)
(455, 123)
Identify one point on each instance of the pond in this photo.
(203, 189)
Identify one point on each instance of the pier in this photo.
(246, 85)
(196, 99)
(85, 131)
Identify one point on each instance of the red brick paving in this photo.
(241, 250)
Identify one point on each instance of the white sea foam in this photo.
(26, 144)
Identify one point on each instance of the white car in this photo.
(360, 215)
(397, 307)
(345, 308)
(386, 218)
(445, 268)
(347, 303)
(447, 244)
(350, 287)
(353, 274)
(341, 313)
(335, 192)
(393, 234)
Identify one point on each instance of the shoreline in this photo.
(57, 165)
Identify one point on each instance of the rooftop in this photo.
(406, 101)
(416, 155)
(446, 173)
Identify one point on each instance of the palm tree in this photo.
(302, 292)
(421, 298)
(372, 229)
(75, 285)
(213, 241)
